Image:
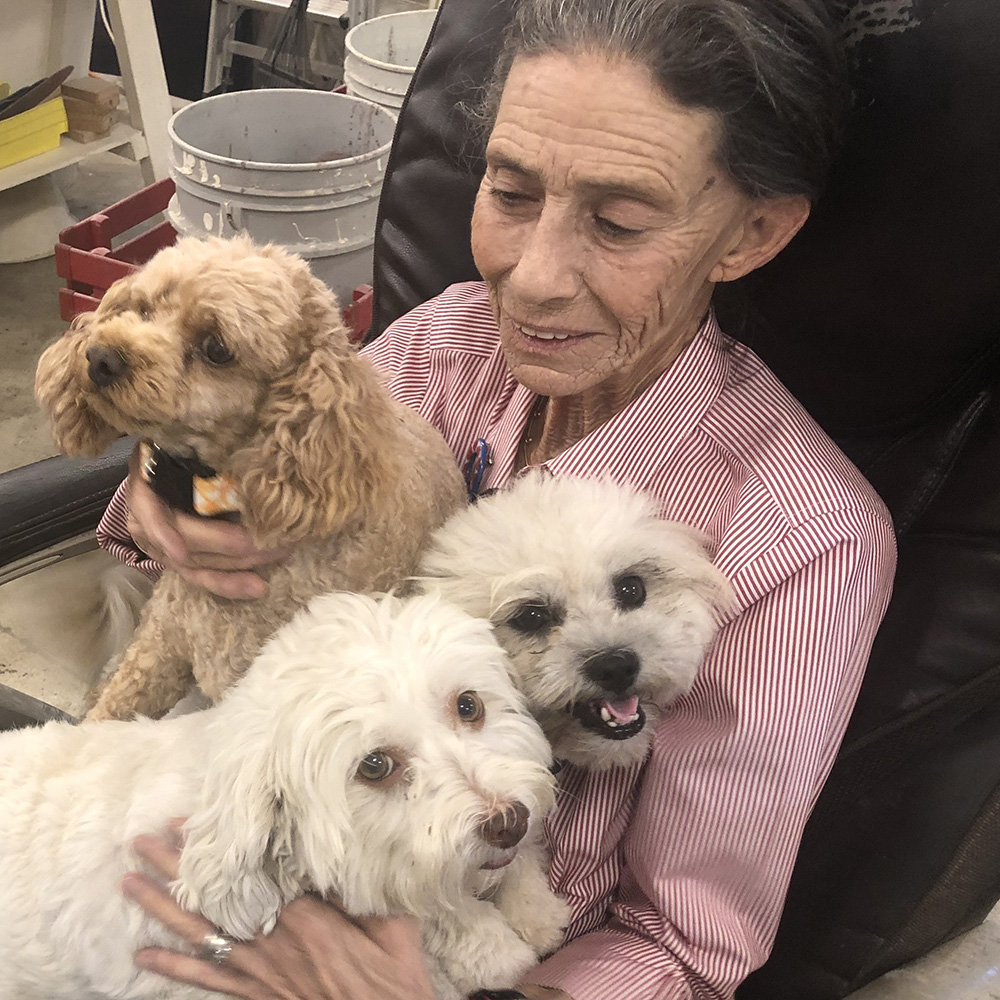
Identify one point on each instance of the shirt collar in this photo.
(664, 414)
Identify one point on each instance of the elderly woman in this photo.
(641, 152)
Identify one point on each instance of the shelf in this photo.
(70, 152)
(325, 11)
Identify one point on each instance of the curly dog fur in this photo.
(283, 797)
(236, 355)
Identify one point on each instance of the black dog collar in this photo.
(187, 484)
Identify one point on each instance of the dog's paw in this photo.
(541, 922)
(535, 913)
(478, 950)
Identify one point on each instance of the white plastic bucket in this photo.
(301, 168)
(380, 55)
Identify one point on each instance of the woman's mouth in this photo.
(540, 334)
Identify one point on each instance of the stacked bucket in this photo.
(301, 168)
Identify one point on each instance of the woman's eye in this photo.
(376, 766)
(215, 351)
(508, 199)
(612, 229)
(630, 592)
(531, 618)
(470, 706)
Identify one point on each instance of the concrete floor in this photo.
(965, 969)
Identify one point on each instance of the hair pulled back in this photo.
(770, 70)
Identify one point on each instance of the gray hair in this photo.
(771, 70)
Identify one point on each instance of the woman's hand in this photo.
(215, 555)
(315, 952)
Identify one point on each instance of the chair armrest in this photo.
(52, 501)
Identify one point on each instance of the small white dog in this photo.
(605, 610)
(375, 750)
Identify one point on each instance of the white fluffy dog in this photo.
(376, 750)
(605, 610)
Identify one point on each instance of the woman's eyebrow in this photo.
(501, 161)
(647, 193)
(651, 190)
(657, 195)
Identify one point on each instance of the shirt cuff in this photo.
(113, 537)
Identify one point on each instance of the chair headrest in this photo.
(883, 311)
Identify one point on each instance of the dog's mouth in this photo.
(612, 719)
(499, 859)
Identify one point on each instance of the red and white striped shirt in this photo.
(677, 870)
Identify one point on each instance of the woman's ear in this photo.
(768, 226)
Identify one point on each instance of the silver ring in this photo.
(216, 948)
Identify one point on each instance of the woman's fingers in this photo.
(150, 524)
(163, 857)
(398, 936)
(227, 543)
(215, 555)
(156, 900)
(195, 972)
(188, 539)
(226, 977)
(315, 950)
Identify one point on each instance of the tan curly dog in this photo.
(235, 356)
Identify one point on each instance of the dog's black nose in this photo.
(105, 365)
(507, 826)
(613, 670)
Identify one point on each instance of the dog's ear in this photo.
(689, 566)
(76, 428)
(316, 458)
(228, 870)
(274, 820)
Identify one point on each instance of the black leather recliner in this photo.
(883, 316)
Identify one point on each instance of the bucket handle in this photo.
(233, 215)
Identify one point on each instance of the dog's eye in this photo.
(630, 592)
(532, 618)
(215, 351)
(144, 311)
(376, 766)
(470, 707)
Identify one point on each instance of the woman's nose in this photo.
(549, 262)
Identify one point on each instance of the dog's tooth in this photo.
(605, 714)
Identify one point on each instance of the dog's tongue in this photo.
(622, 711)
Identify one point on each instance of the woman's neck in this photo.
(558, 422)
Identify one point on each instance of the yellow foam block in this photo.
(32, 132)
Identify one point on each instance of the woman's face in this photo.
(601, 225)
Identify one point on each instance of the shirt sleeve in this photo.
(401, 355)
(113, 536)
(735, 770)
